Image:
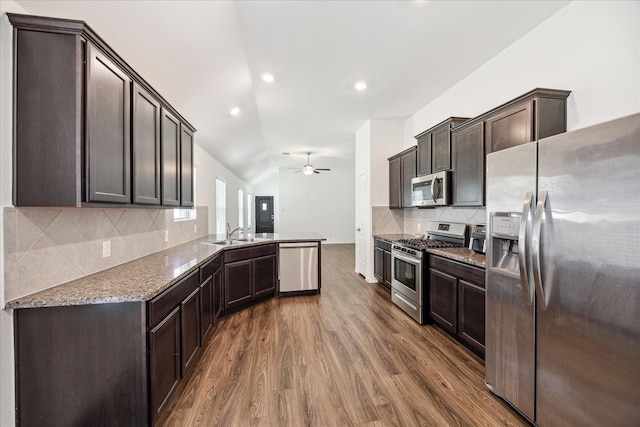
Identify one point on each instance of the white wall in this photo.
(376, 141)
(321, 203)
(270, 186)
(589, 47)
(207, 170)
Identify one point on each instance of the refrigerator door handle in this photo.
(535, 247)
(527, 288)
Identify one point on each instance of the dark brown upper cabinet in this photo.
(395, 183)
(108, 130)
(170, 159)
(402, 167)
(186, 168)
(434, 147)
(468, 166)
(86, 125)
(424, 154)
(407, 173)
(536, 114)
(146, 147)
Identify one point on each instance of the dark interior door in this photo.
(264, 214)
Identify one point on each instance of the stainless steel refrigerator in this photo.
(563, 276)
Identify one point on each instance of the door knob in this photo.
(357, 229)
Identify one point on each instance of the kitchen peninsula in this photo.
(113, 347)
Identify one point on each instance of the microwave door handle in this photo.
(527, 288)
(434, 182)
(543, 299)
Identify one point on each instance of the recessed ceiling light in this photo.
(360, 85)
(267, 77)
(235, 111)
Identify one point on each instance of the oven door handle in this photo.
(412, 261)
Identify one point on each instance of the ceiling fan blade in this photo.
(298, 171)
(320, 169)
(315, 171)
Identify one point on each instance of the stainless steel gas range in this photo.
(410, 266)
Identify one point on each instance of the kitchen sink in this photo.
(222, 242)
(251, 239)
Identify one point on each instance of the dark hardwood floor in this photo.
(344, 357)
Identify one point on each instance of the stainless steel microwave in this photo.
(431, 190)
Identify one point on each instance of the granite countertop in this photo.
(464, 255)
(392, 237)
(144, 278)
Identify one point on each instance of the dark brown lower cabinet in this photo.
(210, 293)
(218, 289)
(83, 365)
(444, 300)
(457, 301)
(264, 275)
(164, 347)
(382, 262)
(207, 314)
(471, 309)
(190, 330)
(237, 280)
(249, 274)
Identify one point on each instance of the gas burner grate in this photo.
(424, 244)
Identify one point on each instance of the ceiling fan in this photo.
(308, 169)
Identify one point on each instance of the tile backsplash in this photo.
(415, 217)
(413, 221)
(386, 221)
(45, 247)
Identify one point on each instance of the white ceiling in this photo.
(205, 57)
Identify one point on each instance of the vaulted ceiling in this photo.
(206, 57)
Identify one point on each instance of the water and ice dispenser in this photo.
(505, 228)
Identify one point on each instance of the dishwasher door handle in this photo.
(299, 245)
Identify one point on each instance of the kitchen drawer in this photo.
(163, 304)
(249, 253)
(382, 244)
(458, 269)
(210, 267)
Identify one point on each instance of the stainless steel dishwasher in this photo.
(298, 270)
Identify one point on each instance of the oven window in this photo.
(405, 273)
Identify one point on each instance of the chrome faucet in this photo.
(230, 232)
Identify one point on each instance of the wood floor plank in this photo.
(345, 357)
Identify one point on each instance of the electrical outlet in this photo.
(419, 227)
(106, 248)
(195, 228)
(166, 235)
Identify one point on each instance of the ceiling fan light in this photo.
(307, 170)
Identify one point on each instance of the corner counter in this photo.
(145, 278)
(112, 348)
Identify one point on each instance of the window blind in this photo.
(221, 207)
(240, 208)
